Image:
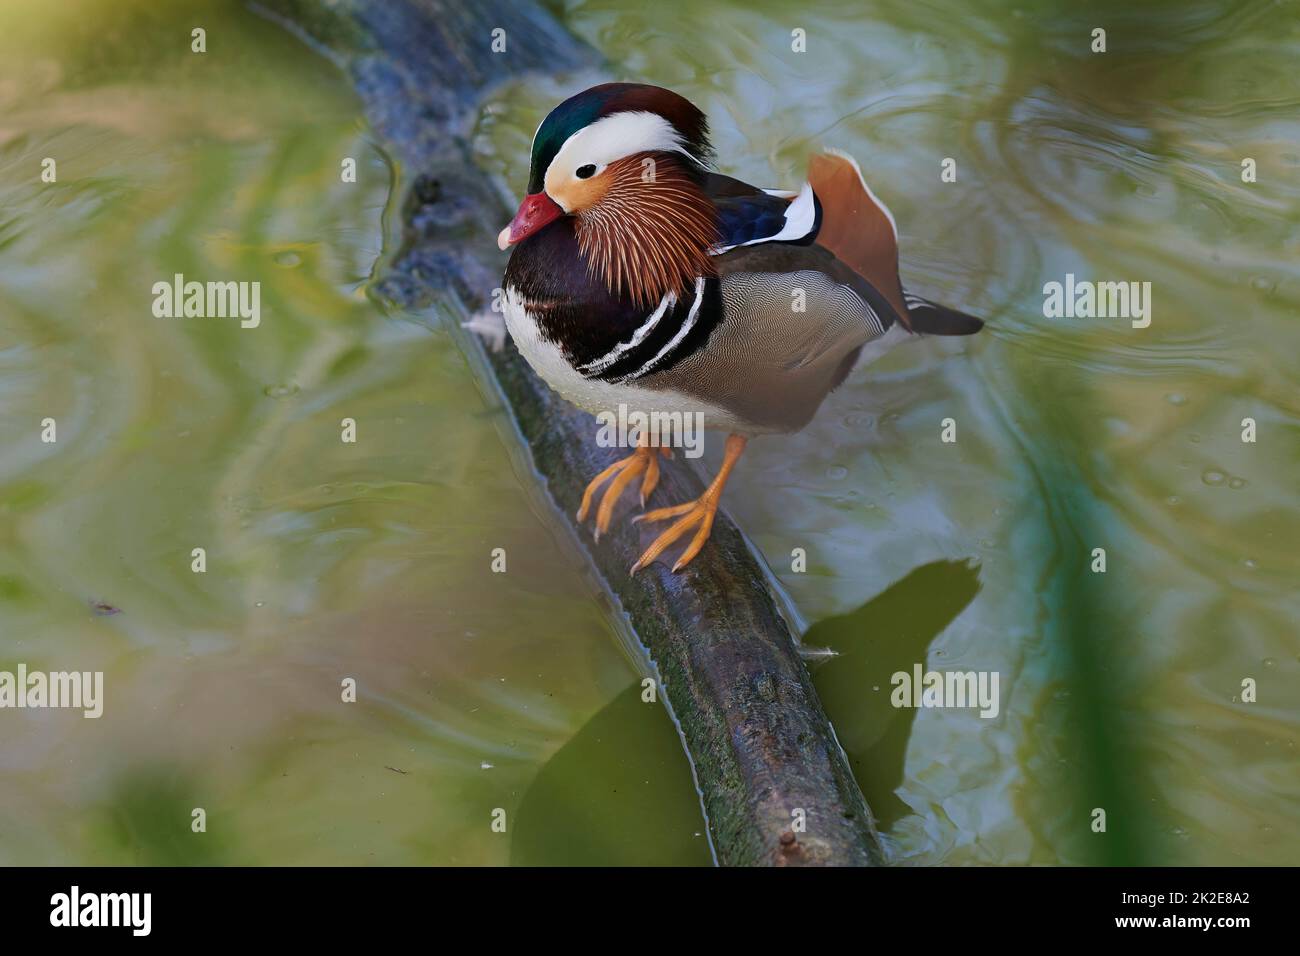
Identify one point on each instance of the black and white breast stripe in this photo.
(674, 330)
(598, 365)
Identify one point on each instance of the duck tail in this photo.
(930, 318)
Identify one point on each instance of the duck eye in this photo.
(586, 172)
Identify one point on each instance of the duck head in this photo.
(628, 162)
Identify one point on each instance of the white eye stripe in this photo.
(613, 137)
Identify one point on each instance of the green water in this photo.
(479, 691)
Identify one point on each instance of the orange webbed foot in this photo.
(642, 461)
(698, 514)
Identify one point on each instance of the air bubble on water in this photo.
(280, 391)
(1270, 662)
(1173, 500)
(260, 604)
(287, 259)
(1249, 564)
(837, 473)
(1213, 477)
(485, 765)
(1176, 398)
(1237, 482)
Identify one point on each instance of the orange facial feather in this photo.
(650, 231)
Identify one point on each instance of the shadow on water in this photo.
(890, 633)
(148, 822)
(619, 792)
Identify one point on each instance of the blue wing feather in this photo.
(743, 219)
(747, 214)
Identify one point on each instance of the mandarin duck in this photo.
(641, 277)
